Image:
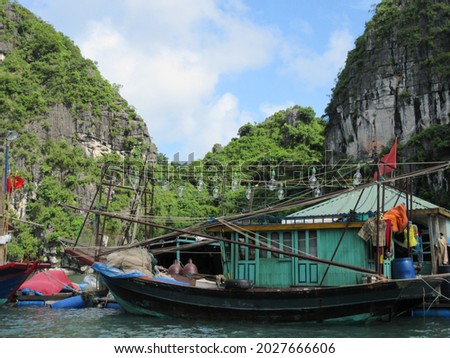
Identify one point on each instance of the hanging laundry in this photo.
(398, 217)
(410, 236)
(441, 246)
(369, 231)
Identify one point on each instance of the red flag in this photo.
(18, 183)
(388, 162)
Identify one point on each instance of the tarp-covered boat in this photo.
(13, 274)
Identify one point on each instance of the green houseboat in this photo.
(319, 263)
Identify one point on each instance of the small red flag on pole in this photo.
(388, 162)
(16, 183)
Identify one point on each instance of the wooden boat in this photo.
(238, 300)
(53, 288)
(13, 274)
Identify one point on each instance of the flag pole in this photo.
(10, 136)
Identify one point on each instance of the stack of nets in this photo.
(132, 259)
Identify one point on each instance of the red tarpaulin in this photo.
(49, 282)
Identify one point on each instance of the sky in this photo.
(197, 70)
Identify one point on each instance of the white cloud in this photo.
(171, 66)
(270, 109)
(315, 70)
(216, 123)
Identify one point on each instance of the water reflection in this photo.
(44, 322)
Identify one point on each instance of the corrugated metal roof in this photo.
(346, 202)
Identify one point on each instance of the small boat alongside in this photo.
(13, 274)
(53, 288)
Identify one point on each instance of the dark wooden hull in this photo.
(143, 296)
(13, 274)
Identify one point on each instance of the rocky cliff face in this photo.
(396, 80)
(96, 135)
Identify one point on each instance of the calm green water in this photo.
(44, 322)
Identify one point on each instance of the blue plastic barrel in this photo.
(71, 302)
(432, 312)
(403, 268)
(114, 305)
(30, 303)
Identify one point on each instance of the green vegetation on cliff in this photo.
(432, 145)
(45, 68)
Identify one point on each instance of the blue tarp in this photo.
(115, 272)
(118, 273)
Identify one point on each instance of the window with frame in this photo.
(263, 242)
(275, 244)
(307, 242)
(287, 243)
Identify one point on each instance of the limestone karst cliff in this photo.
(396, 80)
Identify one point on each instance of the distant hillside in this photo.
(51, 90)
(72, 122)
(294, 134)
(278, 150)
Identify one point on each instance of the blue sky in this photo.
(197, 70)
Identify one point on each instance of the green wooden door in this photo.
(245, 258)
(306, 272)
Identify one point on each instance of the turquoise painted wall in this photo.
(352, 251)
(275, 270)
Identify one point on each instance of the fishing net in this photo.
(132, 259)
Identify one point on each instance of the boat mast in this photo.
(3, 232)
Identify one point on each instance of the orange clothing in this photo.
(398, 217)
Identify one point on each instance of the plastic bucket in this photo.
(403, 268)
(445, 286)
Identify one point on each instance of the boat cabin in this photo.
(322, 245)
(203, 252)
